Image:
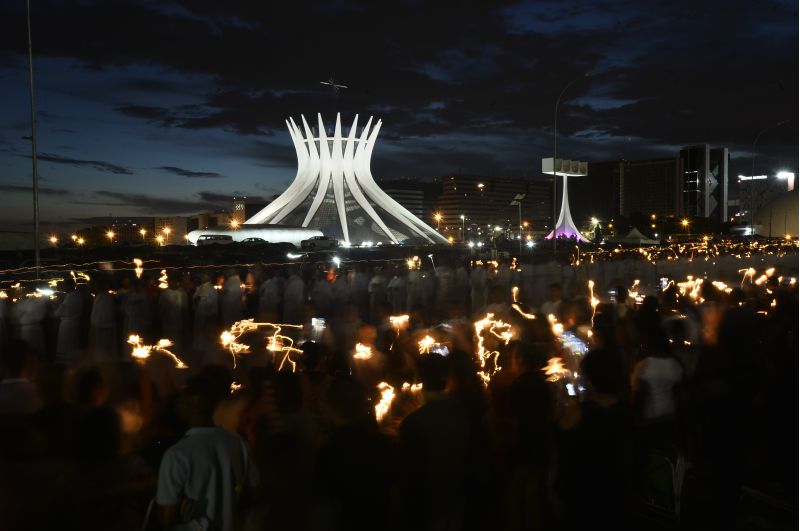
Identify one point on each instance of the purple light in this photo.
(564, 232)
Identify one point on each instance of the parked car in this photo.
(317, 243)
(254, 241)
(211, 239)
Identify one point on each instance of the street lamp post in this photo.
(685, 223)
(518, 202)
(555, 155)
(35, 171)
(463, 228)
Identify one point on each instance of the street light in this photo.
(160, 239)
(518, 203)
(143, 231)
(80, 241)
(110, 235)
(788, 177)
(438, 218)
(463, 228)
(166, 231)
(53, 239)
(555, 153)
(685, 223)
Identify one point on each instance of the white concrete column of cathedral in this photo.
(335, 170)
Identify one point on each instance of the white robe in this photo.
(270, 296)
(31, 312)
(206, 310)
(70, 315)
(232, 304)
(173, 308)
(103, 327)
(322, 297)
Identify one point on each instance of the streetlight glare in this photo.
(685, 222)
(53, 240)
(110, 235)
(167, 230)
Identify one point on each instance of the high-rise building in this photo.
(245, 207)
(705, 181)
(418, 197)
(485, 200)
(650, 187)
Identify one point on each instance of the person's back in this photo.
(434, 443)
(208, 467)
(204, 479)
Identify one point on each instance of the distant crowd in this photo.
(674, 412)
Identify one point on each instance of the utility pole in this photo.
(33, 146)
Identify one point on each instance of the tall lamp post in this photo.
(33, 145)
(518, 203)
(555, 154)
(463, 228)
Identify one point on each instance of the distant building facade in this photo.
(693, 184)
(209, 220)
(486, 200)
(705, 181)
(244, 208)
(419, 197)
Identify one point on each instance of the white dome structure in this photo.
(334, 190)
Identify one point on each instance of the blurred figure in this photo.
(595, 449)
(18, 394)
(433, 446)
(294, 299)
(356, 450)
(137, 312)
(231, 299)
(321, 295)
(206, 312)
(207, 479)
(377, 294)
(70, 325)
(103, 338)
(270, 297)
(30, 313)
(552, 306)
(478, 289)
(396, 290)
(173, 311)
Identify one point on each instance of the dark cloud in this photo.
(666, 72)
(189, 173)
(94, 164)
(18, 189)
(155, 205)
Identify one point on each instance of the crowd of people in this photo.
(675, 407)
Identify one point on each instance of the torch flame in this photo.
(363, 352)
(387, 396)
(555, 370)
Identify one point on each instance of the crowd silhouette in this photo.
(680, 413)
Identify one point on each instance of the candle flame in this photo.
(385, 403)
(555, 369)
(141, 352)
(363, 352)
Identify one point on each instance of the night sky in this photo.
(159, 107)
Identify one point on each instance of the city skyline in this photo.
(184, 115)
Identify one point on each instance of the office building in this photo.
(705, 181)
(486, 200)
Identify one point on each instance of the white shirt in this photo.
(661, 375)
(212, 467)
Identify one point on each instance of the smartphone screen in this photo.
(570, 389)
